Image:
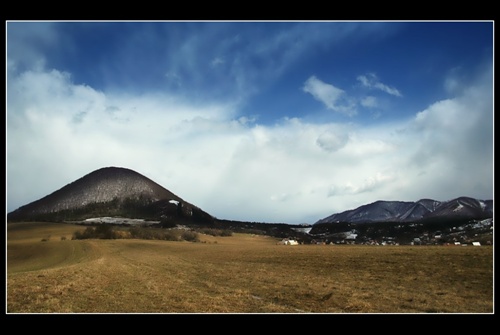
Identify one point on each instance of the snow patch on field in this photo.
(117, 220)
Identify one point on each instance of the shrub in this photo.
(166, 222)
(216, 232)
(139, 232)
(151, 234)
(190, 236)
(105, 231)
(102, 231)
(170, 236)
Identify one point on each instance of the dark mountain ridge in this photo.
(109, 191)
(460, 220)
(422, 210)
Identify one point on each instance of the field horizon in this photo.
(49, 272)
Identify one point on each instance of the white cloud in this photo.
(326, 93)
(332, 97)
(332, 140)
(453, 142)
(371, 81)
(369, 184)
(234, 168)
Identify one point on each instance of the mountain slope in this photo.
(424, 209)
(110, 191)
(377, 211)
(462, 208)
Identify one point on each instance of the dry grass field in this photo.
(48, 272)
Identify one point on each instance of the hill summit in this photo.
(110, 191)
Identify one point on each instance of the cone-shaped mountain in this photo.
(110, 191)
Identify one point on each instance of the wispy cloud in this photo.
(369, 101)
(332, 97)
(371, 81)
(217, 61)
(370, 184)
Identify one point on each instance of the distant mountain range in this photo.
(462, 208)
(110, 191)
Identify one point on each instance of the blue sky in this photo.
(259, 121)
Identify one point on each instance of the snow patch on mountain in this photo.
(459, 207)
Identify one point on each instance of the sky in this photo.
(284, 122)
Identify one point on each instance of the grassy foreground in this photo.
(48, 272)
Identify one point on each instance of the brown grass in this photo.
(238, 274)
